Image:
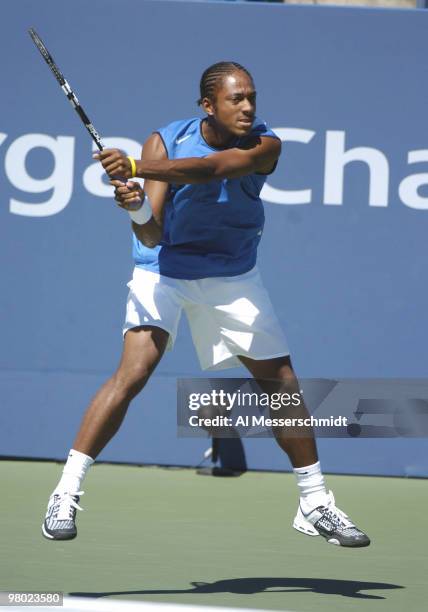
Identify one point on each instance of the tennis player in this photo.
(196, 229)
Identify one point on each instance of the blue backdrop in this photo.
(343, 254)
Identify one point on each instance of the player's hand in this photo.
(115, 163)
(129, 195)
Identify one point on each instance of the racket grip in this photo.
(119, 178)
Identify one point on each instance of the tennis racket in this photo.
(66, 88)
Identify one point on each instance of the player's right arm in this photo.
(127, 196)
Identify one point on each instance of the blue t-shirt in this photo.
(211, 229)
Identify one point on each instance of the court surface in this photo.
(171, 536)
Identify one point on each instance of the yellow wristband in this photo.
(133, 166)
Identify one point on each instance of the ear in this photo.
(208, 106)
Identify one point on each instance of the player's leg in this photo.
(142, 349)
(277, 376)
(317, 513)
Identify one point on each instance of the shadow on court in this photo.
(250, 586)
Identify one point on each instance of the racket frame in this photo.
(71, 96)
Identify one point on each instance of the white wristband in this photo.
(143, 214)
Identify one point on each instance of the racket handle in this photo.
(119, 178)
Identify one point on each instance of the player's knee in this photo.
(287, 377)
(284, 382)
(131, 381)
(285, 372)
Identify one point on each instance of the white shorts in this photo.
(228, 316)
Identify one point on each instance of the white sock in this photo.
(311, 486)
(74, 472)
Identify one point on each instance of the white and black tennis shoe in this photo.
(60, 520)
(332, 524)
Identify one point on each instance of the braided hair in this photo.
(214, 75)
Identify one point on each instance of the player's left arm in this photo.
(259, 155)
